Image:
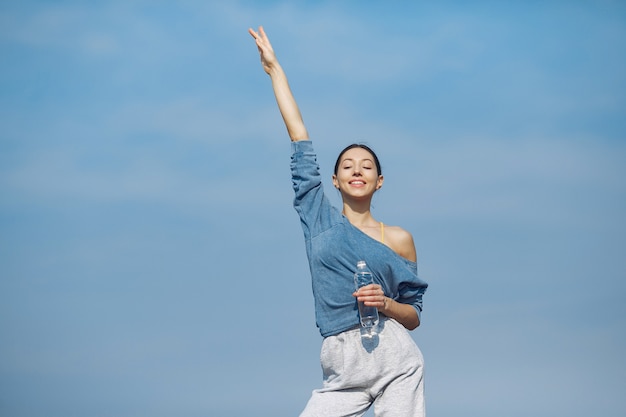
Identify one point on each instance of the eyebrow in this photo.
(352, 159)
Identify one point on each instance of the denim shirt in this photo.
(334, 246)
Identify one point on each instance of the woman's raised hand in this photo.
(268, 58)
(284, 98)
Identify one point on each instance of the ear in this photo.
(380, 181)
(335, 182)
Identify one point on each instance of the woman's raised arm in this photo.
(286, 102)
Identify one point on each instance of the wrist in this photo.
(386, 304)
(275, 70)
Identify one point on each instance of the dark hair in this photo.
(362, 146)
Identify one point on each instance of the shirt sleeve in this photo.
(315, 211)
(411, 291)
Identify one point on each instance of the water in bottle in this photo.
(367, 314)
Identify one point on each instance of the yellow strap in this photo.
(382, 232)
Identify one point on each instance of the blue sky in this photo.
(152, 264)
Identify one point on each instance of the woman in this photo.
(386, 370)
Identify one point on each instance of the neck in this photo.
(358, 216)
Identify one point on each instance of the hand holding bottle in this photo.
(371, 295)
(365, 287)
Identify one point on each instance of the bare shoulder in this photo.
(401, 241)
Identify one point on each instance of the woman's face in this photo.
(357, 175)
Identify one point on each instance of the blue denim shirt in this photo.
(334, 246)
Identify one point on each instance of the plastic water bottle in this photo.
(367, 314)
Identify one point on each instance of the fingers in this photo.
(372, 295)
(257, 37)
(260, 35)
(262, 42)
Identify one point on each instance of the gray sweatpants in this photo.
(386, 370)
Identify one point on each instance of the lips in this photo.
(357, 183)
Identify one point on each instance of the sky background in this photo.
(151, 261)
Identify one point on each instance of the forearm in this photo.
(287, 104)
(404, 314)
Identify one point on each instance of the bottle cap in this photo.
(361, 264)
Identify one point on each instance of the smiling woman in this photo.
(386, 370)
(358, 166)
